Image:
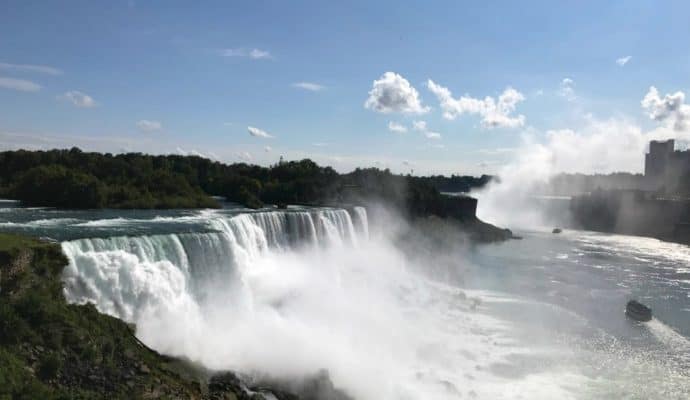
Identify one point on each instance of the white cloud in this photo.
(259, 54)
(79, 99)
(311, 86)
(396, 127)
(499, 150)
(41, 69)
(19, 84)
(670, 110)
(421, 126)
(268, 149)
(623, 60)
(244, 156)
(495, 114)
(193, 152)
(320, 144)
(256, 132)
(567, 89)
(255, 54)
(146, 125)
(393, 93)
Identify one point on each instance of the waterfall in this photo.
(360, 214)
(131, 277)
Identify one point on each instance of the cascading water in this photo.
(128, 277)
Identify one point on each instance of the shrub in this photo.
(49, 367)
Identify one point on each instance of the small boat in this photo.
(638, 311)
(557, 230)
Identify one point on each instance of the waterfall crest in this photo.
(131, 277)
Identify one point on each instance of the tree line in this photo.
(76, 179)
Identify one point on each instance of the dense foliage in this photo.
(458, 183)
(76, 179)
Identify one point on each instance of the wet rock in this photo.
(316, 387)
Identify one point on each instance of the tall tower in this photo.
(656, 161)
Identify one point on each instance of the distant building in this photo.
(664, 167)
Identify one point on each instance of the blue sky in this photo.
(169, 76)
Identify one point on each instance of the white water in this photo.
(290, 293)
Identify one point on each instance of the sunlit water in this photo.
(290, 292)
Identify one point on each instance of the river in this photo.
(290, 292)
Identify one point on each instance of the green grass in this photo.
(11, 243)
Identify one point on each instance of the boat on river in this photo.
(638, 311)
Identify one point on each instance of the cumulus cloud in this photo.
(393, 94)
(41, 69)
(267, 149)
(494, 113)
(432, 135)
(254, 54)
(670, 110)
(311, 86)
(396, 127)
(256, 132)
(146, 125)
(623, 60)
(19, 84)
(79, 99)
(567, 89)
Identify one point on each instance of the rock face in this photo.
(315, 387)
